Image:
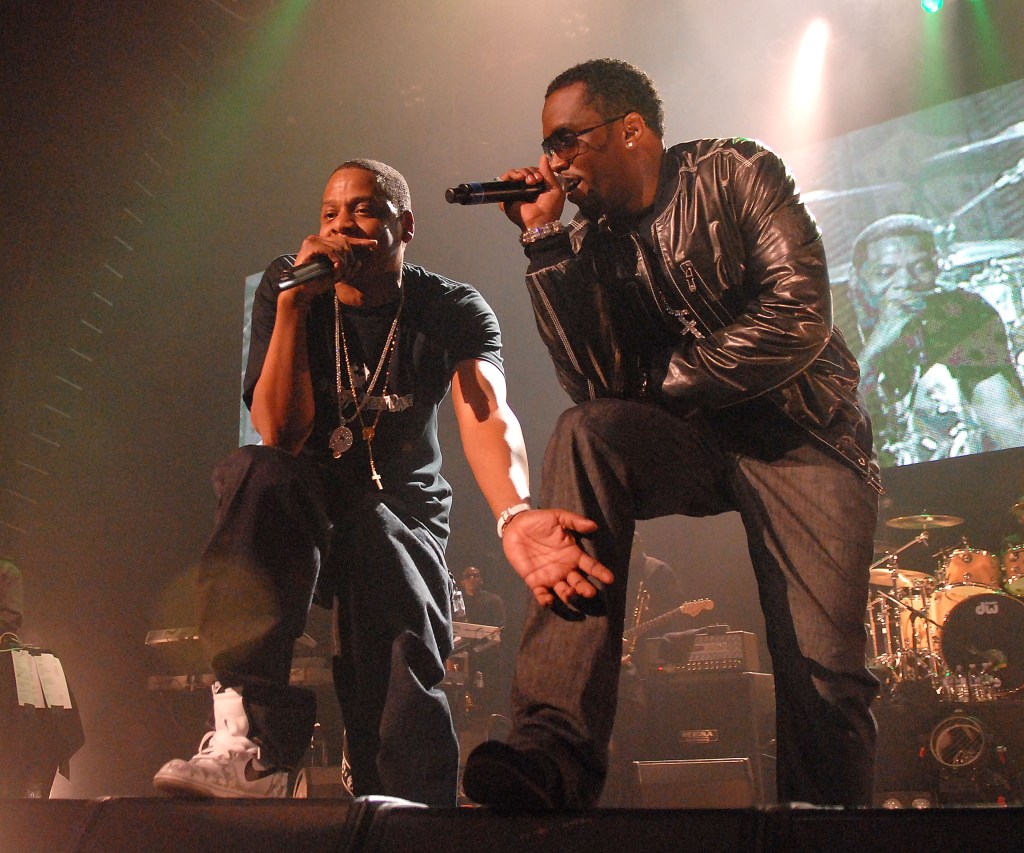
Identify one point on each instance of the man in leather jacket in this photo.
(687, 311)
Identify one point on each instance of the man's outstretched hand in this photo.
(540, 545)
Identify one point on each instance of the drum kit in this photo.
(960, 629)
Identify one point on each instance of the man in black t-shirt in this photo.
(483, 607)
(344, 500)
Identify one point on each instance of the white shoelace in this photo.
(221, 745)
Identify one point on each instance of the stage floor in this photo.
(112, 825)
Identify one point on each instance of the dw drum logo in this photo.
(987, 608)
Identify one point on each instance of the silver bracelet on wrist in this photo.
(532, 235)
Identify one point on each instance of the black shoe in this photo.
(509, 779)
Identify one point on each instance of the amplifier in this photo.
(713, 716)
(714, 649)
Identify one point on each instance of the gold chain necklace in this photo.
(342, 438)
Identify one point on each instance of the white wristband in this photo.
(510, 513)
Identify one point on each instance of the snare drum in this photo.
(1013, 571)
(979, 626)
(969, 566)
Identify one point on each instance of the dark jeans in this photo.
(809, 521)
(276, 530)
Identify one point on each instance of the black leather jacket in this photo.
(716, 304)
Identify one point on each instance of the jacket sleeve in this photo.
(576, 319)
(786, 320)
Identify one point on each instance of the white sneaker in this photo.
(222, 769)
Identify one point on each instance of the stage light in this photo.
(808, 72)
(931, 6)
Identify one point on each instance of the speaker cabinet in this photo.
(718, 783)
(710, 717)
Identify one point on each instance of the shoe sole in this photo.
(493, 783)
(175, 787)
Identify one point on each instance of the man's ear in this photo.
(634, 128)
(408, 226)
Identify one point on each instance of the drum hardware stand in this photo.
(905, 662)
(921, 537)
(906, 656)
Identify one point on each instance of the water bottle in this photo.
(318, 747)
(962, 688)
(458, 606)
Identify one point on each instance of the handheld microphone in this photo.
(319, 266)
(488, 192)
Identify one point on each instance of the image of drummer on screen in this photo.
(937, 374)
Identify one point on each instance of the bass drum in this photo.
(982, 626)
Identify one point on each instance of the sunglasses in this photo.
(566, 143)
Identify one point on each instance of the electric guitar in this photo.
(690, 608)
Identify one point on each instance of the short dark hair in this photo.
(392, 183)
(896, 225)
(616, 87)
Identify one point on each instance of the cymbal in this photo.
(812, 196)
(903, 578)
(980, 252)
(925, 521)
(1014, 131)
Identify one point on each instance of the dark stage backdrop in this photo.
(156, 153)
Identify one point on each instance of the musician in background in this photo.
(483, 607)
(936, 371)
(654, 589)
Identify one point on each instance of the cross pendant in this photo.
(689, 324)
(376, 478)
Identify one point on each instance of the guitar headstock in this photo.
(692, 608)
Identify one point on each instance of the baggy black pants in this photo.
(809, 521)
(275, 531)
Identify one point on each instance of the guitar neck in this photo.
(690, 608)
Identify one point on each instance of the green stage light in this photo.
(931, 6)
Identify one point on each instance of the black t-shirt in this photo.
(442, 323)
(958, 329)
(484, 608)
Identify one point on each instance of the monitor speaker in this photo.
(717, 783)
